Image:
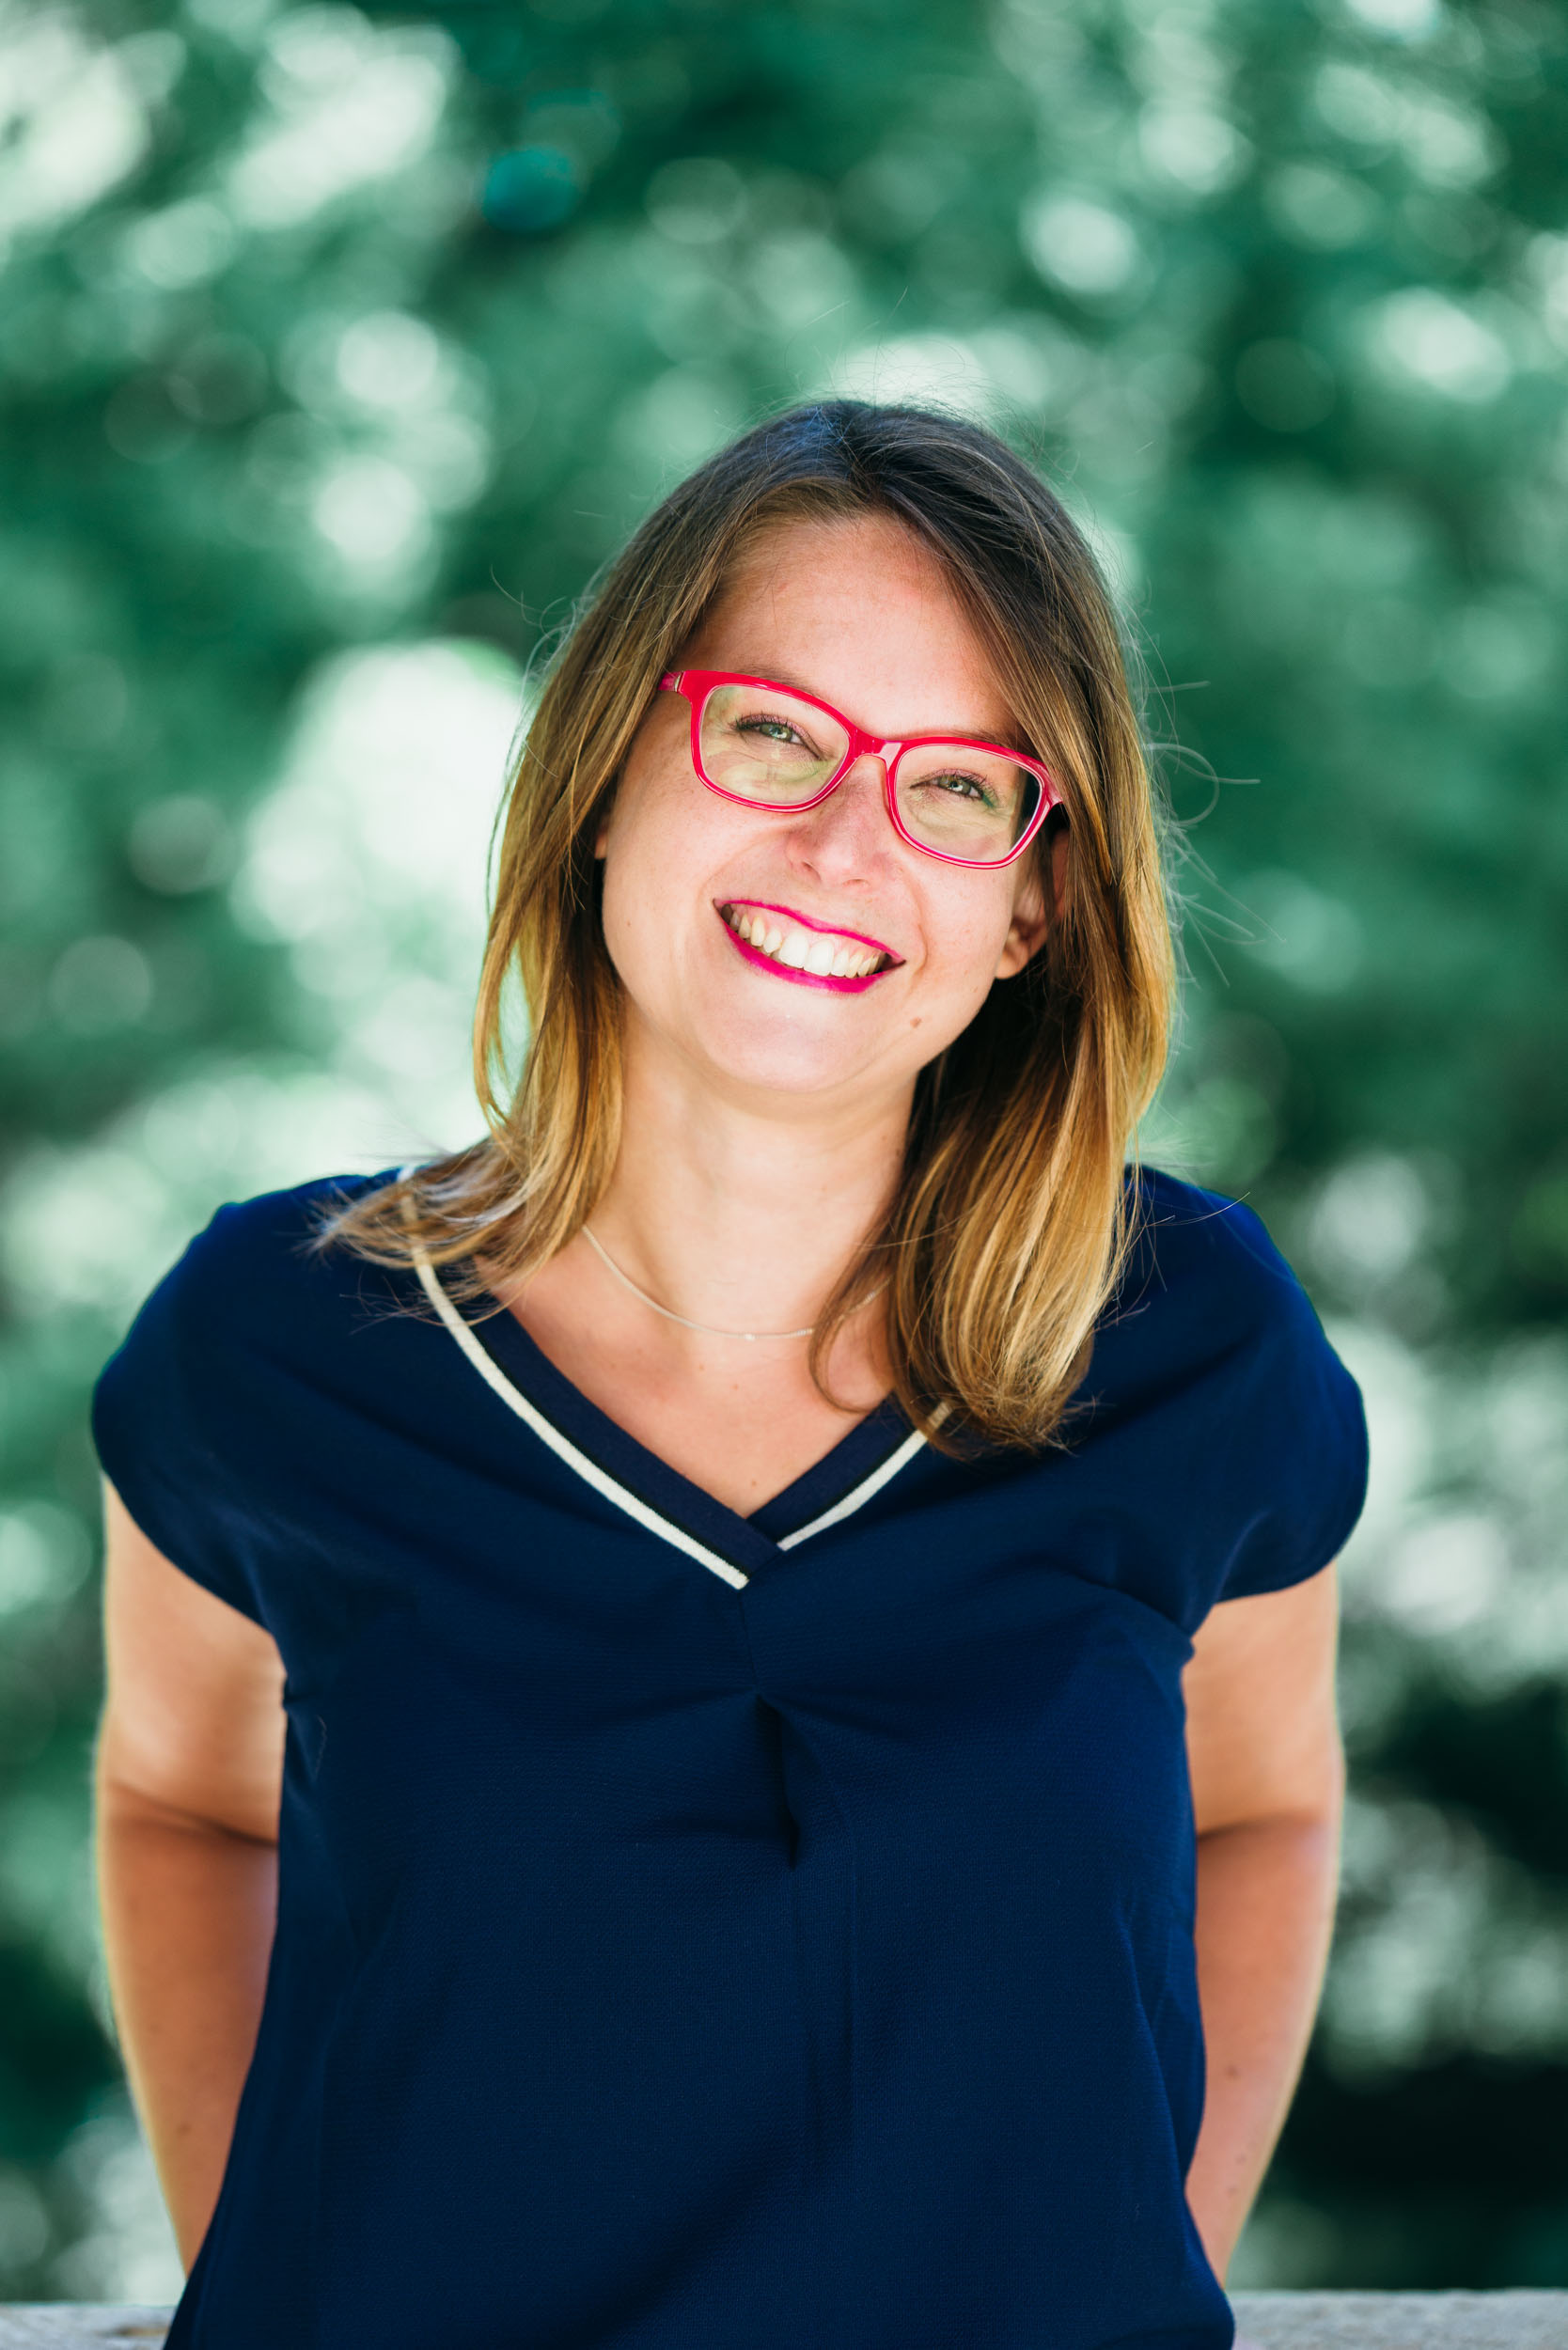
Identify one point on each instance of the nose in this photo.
(847, 837)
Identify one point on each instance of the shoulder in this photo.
(258, 1266)
(253, 1322)
(240, 1380)
(1199, 1254)
(276, 1228)
(1209, 1320)
(1212, 1340)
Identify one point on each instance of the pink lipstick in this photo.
(793, 946)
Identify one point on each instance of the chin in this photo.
(796, 1060)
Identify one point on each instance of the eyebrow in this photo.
(1010, 738)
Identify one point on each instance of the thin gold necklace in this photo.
(707, 1328)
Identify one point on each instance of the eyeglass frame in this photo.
(698, 685)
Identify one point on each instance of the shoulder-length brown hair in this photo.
(1011, 1218)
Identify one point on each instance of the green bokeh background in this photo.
(336, 347)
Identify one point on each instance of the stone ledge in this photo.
(73, 2325)
(1397, 2321)
(1265, 2321)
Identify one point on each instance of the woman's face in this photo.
(858, 613)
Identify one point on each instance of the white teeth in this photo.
(815, 951)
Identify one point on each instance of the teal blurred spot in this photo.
(531, 190)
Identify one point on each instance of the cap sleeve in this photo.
(152, 1429)
(1297, 1453)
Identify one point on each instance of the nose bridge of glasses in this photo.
(876, 757)
(862, 746)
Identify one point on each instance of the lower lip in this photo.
(804, 979)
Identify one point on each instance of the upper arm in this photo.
(193, 1720)
(1262, 1726)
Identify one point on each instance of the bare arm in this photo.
(1268, 1790)
(188, 1781)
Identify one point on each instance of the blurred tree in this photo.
(332, 332)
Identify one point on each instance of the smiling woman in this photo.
(910, 570)
(716, 1702)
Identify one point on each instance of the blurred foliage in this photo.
(340, 346)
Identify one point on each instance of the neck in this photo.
(743, 1215)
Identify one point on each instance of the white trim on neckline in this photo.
(863, 1492)
(610, 1487)
(562, 1445)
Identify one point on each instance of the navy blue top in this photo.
(697, 1929)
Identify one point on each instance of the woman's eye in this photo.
(961, 786)
(772, 730)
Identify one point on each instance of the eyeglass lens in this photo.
(954, 797)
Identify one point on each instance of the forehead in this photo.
(861, 613)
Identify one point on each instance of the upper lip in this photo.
(829, 929)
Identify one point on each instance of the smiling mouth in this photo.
(799, 950)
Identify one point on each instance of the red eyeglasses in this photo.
(768, 745)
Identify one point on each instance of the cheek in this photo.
(967, 934)
(629, 854)
(657, 852)
(642, 832)
(633, 873)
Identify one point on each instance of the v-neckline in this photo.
(864, 1459)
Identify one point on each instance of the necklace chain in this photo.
(707, 1328)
